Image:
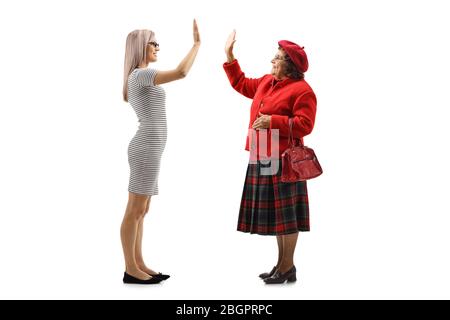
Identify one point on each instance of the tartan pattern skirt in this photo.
(272, 207)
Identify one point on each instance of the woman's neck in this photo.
(142, 66)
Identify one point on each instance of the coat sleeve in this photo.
(304, 115)
(243, 85)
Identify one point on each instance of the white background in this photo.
(380, 213)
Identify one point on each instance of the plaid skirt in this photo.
(272, 207)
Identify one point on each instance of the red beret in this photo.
(296, 53)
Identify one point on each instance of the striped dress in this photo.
(146, 147)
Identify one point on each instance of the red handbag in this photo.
(299, 163)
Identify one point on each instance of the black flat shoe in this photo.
(130, 279)
(266, 275)
(278, 277)
(161, 276)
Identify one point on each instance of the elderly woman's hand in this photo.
(229, 46)
(263, 122)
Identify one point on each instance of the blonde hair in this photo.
(135, 54)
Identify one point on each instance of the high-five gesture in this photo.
(185, 65)
(229, 46)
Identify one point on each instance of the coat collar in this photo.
(281, 83)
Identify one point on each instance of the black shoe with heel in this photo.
(130, 279)
(266, 275)
(278, 277)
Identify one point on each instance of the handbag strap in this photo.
(291, 134)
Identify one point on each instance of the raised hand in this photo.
(229, 46)
(184, 66)
(196, 33)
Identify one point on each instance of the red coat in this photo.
(282, 100)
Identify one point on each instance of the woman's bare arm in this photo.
(185, 65)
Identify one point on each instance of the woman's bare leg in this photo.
(138, 253)
(134, 213)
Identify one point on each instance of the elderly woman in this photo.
(141, 88)
(280, 100)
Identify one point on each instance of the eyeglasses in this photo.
(153, 43)
(277, 57)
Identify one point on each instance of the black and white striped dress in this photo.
(146, 147)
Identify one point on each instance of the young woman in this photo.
(141, 88)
